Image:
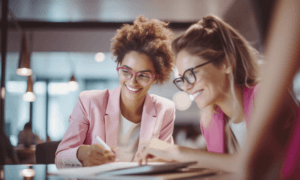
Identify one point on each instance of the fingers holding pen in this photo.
(100, 150)
(95, 154)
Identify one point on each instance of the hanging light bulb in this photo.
(73, 85)
(29, 95)
(28, 173)
(24, 60)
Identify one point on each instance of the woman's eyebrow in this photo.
(145, 71)
(127, 67)
(139, 71)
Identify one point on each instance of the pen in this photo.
(103, 143)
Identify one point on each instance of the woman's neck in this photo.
(132, 109)
(232, 109)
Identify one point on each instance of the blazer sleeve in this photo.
(166, 133)
(66, 153)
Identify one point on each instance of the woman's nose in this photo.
(133, 79)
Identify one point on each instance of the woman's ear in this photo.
(226, 67)
(228, 70)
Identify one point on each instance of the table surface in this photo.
(41, 172)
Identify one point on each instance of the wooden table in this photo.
(14, 172)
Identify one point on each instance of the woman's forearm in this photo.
(205, 159)
(282, 56)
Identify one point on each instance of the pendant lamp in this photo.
(24, 60)
(73, 85)
(29, 95)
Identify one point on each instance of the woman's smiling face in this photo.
(137, 62)
(211, 81)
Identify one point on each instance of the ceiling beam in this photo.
(84, 25)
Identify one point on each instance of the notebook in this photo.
(121, 168)
(150, 168)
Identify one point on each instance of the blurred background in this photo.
(68, 38)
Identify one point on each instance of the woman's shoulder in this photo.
(98, 94)
(253, 88)
(93, 94)
(251, 91)
(96, 98)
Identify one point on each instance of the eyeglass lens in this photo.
(142, 78)
(188, 76)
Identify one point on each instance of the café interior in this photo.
(65, 46)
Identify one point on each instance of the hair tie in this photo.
(206, 22)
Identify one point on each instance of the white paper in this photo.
(97, 170)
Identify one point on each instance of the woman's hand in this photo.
(95, 154)
(157, 150)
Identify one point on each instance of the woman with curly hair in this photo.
(127, 117)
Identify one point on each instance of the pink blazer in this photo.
(97, 114)
(214, 134)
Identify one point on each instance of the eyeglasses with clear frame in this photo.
(143, 78)
(188, 76)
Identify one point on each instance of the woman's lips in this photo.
(132, 90)
(197, 94)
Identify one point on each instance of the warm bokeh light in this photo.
(29, 96)
(2, 174)
(24, 72)
(28, 172)
(99, 57)
(2, 92)
(73, 85)
(182, 100)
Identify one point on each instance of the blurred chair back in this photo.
(45, 152)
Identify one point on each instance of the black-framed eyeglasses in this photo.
(188, 76)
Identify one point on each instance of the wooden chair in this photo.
(45, 152)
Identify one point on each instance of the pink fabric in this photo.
(97, 114)
(214, 134)
(291, 168)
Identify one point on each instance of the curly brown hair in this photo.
(151, 37)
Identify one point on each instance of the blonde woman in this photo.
(218, 67)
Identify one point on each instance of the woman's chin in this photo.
(202, 105)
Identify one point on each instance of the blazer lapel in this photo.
(149, 126)
(112, 116)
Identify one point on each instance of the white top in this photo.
(240, 131)
(128, 139)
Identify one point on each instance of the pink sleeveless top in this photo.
(291, 169)
(214, 135)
